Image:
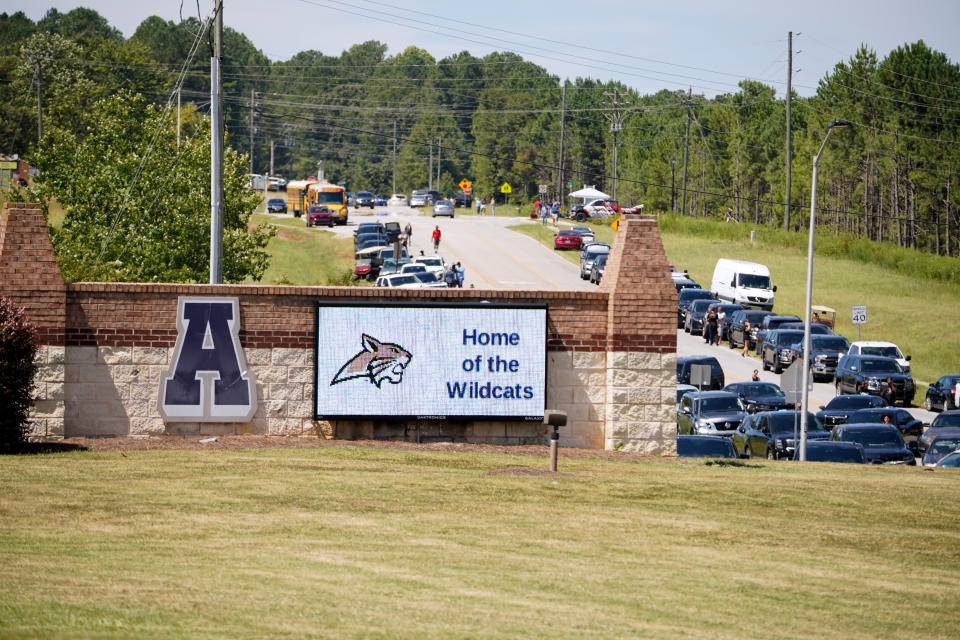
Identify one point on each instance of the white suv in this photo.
(886, 349)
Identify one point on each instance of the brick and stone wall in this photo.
(105, 346)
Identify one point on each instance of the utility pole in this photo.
(216, 152)
(271, 158)
(39, 104)
(178, 118)
(394, 157)
(252, 99)
(686, 153)
(673, 191)
(786, 206)
(439, 152)
(430, 171)
(563, 112)
(616, 125)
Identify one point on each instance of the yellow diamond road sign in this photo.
(506, 188)
(615, 225)
(464, 184)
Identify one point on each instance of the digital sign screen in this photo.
(418, 361)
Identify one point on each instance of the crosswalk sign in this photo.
(506, 188)
(465, 184)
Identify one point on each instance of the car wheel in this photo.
(747, 453)
(771, 455)
(777, 368)
(927, 404)
(730, 342)
(837, 387)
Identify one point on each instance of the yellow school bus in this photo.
(297, 195)
(329, 195)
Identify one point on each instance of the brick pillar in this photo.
(641, 341)
(30, 276)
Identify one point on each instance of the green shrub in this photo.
(18, 349)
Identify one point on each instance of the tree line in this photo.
(376, 120)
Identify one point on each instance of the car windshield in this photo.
(789, 337)
(754, 281)
(329, 197)
(872, 365)
(593, 252)
(583, 230)
(946, 420)
(402, 279)
(784, 421)
(755, 317)
(773, 323)
(364, 194)
(274, 201)
(430, 262)
(421, 194)
(761, 390)
(944, 445)
(830, 343)
(414, 268)
(726, 403)
(852, 402)
(700, 305)
(426, 276)
(875, 437)
(573, 234)
(886, 352)
(695, 294)
(950, 460)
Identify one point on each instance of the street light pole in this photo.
(805, 375)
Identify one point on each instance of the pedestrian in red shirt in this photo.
(436, 237)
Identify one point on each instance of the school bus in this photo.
(329, 195)
(296, 195)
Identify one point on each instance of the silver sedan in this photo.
(443, 208)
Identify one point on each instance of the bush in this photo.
(18, 350)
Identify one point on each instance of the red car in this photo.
(317, 216)
(567, 240)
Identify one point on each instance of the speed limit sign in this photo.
(859, 315)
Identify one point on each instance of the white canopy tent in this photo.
(589, 193)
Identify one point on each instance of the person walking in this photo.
(460, 274)
(436, 238)
(746, 339)
(407, 231)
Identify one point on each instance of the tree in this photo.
(18, 350)
(137, 209)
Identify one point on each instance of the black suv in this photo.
(735, 333)
(716, 372)
(841, 407)
(779, 349)
(462, 200)
(853, 370)
(825, 353)
(882, 443)
(365, 199)
(940, 394)
(685, 283)
(769, 323)
(760, 396)
(711, 413)
(771, 434)
(696, 313)
(685, 297)
(910, 428)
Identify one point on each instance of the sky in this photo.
(649, 46)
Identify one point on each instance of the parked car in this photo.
(726, 310)
(685, 297)
(694, 446)
(399, 281)
(910, 428)
(567, 239)
(882, 443)
(833, 451)
(462, 200)
(588, 253)
(695, 315)
(774, 434)
(682, 390)
(379, 201)
(430, 280)
(432, 263)
(586, 233)
(950, 460)
(769, 323)
(576, 211)
(389, 266)
(413, 267)
(276, 205)
(716, 371)
(398, 200)
(443, 208)
(420, 198)
(825, 353)
(874, 371)
(842, 407)
(885, 349)
(392, 230)
(815, 329)
(735, 333)
(685, 283)
(939, 447)
(941, 394)
(596, 271)
(760, 396)
(746, 283)
(318, 215)
(367, 240)
(779, 349)
(715, 413)
(365, 199)
(947, 423)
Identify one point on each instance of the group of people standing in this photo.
(711, 325)
(482, 206)
(454, 275)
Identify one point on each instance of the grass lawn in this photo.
(377, 543)
(301, 256)
(544, 233)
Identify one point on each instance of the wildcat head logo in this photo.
(377, 362)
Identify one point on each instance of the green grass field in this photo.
(301, 256)
(344, 542)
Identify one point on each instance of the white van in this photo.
(746, 283)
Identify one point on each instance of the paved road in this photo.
(738, 369)
(494, 257)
